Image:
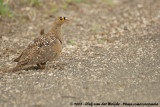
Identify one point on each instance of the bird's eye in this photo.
(61, 19)
(64, 18)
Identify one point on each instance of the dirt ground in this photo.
(111, 53)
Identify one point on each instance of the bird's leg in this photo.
(41, 65)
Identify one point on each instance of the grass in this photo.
(79, 1)
(67, 2)
(110, 2)
(101, 41)
(78, 20)
(54, 9)
(45, 15)
(71, 43)
(34, 2)
(65, 5)
(4, 9)
(96, 27)
(87, 2)
(24, 18)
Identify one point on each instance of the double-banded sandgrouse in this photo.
(44, 48)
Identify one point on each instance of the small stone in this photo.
(50, 74)
(139, 5)
(125, 28)
(5, 38)
(27, 8)
(30, 27)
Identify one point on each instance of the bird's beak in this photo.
(67, 19)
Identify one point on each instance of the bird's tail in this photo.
(17, 68)
(17, 59)
(42, 32)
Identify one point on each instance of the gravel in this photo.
(110, 54)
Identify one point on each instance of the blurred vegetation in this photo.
(54, 8)
(110, 2)
(101, 41)
(69, 1)
(66, 3)
(71, 42)
(4, 8)
(45, 6)
(34, 2)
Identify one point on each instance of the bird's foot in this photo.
(41, 65)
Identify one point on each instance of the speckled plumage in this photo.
(42, 49)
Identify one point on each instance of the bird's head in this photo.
(61, 19)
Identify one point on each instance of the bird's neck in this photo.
(56, 31)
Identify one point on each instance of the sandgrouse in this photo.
(44, 48)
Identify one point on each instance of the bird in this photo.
(42, 49)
